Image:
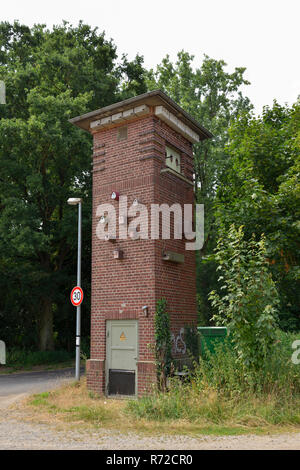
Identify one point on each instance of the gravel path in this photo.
(16, 432)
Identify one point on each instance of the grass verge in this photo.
(220, 397)
(72, 405)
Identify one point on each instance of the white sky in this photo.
(261, 35)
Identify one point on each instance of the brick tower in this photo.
(142, 149)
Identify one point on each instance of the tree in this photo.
(249, 299)
(214, 98)
(50, 76)
(261, 191)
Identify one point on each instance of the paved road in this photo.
(16, 385)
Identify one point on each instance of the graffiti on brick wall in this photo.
(178, 343)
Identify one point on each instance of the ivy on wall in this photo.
(163, 344)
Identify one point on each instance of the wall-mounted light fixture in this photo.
(115, 195)
(145, 310)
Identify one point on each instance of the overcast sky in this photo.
(261, 35)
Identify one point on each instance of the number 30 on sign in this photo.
(76, 296)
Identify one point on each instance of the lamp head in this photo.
(73, 201)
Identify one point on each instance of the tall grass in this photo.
(279, 375)
(220, 391)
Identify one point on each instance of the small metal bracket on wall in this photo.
(110, 238)
(118, 254)
(173, 257)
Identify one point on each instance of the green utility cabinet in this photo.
(209, 337)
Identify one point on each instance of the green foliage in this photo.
(218, 392)
(163, 344)
(261, 191)
(213, 96)
(97, 414)
(50, 76)
(277, 375)
(20, 358)
(85, 413)
(249, 297)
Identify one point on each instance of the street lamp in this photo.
(74, 201)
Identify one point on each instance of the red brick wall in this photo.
(121, 287)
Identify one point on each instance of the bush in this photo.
(249, 299)
(277, 374)
(218, 392)
(18, 358)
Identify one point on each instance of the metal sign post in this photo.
(78, 313)
(77, 294)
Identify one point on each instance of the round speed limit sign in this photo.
(76, 296)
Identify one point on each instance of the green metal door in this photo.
(121, 357)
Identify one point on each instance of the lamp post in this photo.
(74, 202)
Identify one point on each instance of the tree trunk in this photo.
(45, 323)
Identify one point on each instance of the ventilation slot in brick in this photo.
(122, 133)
